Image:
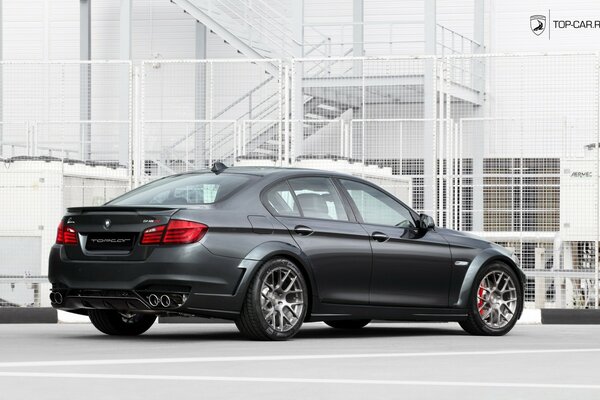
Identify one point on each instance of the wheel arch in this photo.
(270, 250)
(482, 260)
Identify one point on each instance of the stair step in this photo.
(313, 116)
(263, 151)
(328, 107)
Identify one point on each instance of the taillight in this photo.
(153, 235)
(175, 232)
(66, 234)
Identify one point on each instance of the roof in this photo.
(265, 171)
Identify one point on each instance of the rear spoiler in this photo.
(81, 210)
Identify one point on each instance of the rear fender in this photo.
(265, 251)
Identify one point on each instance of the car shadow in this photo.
(375, 330)
(308, 332)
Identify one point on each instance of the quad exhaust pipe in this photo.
(156, 300)
(56, 297)
(153, 300)
(165, 301)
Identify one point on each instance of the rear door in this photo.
(324, 228)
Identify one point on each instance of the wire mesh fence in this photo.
(65, 133)
(505, 146)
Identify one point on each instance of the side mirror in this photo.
(426, 222)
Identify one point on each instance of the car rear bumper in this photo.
(196, 281)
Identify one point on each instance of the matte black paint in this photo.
(411, 275)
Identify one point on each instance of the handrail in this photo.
(459, 34)
(324, 68)
(341, 38)
(263, 33)
(389, 22)
(318, 45)
(229, 107)
(246, 95)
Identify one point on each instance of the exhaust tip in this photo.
(165, 301)
(153, 300)
(52, 297)
(58, 298)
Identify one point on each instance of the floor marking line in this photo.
(298, 380)
(64, 363)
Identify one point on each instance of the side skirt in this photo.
(330, 312)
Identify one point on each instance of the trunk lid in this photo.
(113, 232)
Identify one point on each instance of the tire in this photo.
(349, 324)
(114, 323)
(276, 302)
(489, 308)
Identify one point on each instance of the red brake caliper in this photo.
(479, 301)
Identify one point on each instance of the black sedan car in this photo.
(271, 248)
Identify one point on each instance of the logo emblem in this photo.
(537, 23)
(107, 224)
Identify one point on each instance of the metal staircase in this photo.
(255, 28)
(261, 29)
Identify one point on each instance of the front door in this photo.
(410, 268)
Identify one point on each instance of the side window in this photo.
(318, 198)
(281, 199)
(376, 207)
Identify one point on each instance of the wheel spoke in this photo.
(506, 283)
(284, 278)
(286, 318)
(507, 308)
(270, 314)
(487, 314)
(292, 311)
(292, 281)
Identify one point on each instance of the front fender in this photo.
(485, 257)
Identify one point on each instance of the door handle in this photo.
(303, 230)
(379, 237)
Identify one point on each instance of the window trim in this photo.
(359, 218)
(265, 202)
(342, 195)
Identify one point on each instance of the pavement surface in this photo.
(381, 361)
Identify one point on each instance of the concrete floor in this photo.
(211, 361)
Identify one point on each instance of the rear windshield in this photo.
(184, 189)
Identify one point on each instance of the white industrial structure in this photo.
(408, 94)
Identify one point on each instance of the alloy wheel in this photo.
(497, 299)
(282, 299)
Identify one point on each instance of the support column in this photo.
(200, 97)
(85, 54)
(540, 281)
(124, 82)
(479, 137)
(1, 80)
(297, 78)
(429, 111)
(358, 34)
